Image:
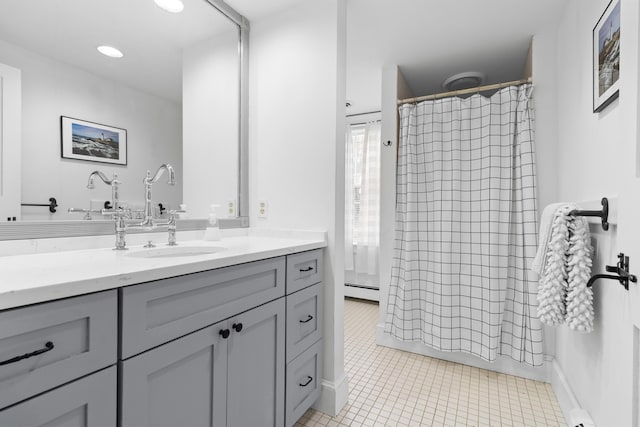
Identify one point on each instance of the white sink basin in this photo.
(176, 252)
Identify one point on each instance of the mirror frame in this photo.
(20, 230)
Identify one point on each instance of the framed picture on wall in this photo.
(606, 57)
(94, 142)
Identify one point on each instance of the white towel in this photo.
(563, 294)
(546, 221)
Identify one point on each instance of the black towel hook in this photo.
(603, 213)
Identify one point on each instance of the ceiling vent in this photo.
(464, 80)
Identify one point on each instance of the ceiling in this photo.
(151, 38)
(431, 40)
(428, 39)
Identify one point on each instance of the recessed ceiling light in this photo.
(110, 51)
(173, 6)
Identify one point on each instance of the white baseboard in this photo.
(333, 396)
(561, 388)
(362, 293)
(503, 364)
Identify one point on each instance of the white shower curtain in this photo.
(362, 205)
(466, 227)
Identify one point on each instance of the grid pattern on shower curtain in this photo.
(466, 227)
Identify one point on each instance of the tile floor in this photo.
(395, 388)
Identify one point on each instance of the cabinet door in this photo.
(182, 383)
(256, 367)
(87, 402)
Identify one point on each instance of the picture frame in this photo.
(606, 57)
(93, 142)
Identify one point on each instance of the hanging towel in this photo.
(546, 221)
(563, 294)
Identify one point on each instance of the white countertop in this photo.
(37, 277)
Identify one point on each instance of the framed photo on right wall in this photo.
(606, 57)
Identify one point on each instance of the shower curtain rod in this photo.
(464, 91)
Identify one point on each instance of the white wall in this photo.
(590, 153)
(210, 75)
(394, 87)
(51, 89)
(296, 146)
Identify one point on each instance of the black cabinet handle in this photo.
(307, 320)
(48, 346)
(303, 270)
(225, 333)
(309, 379)
(237, 327)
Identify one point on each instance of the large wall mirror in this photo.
(176, 92)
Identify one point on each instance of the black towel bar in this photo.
(53, 204)
(603, 213)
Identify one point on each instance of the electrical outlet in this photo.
(231, 209)
(263, 209)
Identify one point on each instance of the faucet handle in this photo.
(117, 213)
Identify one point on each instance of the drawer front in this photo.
(304, 379)
(304, 269)
(157, 312)
(90, 401)
(83, 336)
(304, 322)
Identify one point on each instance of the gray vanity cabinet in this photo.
(234, 346)
(87, 402)
(231, 373)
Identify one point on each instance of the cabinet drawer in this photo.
(81, 330)
(304, 269)
(90, 401)
(157, 312)
(304, 376)
(304, 323)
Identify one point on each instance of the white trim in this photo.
(365, 117)
(361, 293)
(333, 396)
(561, 388)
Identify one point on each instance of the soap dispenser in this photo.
(213, 230)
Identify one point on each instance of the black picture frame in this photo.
(93, 142)
(606, 57)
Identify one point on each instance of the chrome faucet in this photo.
(114, 183)
(148, 223)
(148, 182)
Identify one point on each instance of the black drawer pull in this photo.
(225, 333)
(309, 379)
(48, 346)
(237, 327)
(308, 319)
(304, 270)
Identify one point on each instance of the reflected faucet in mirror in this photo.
(114, 204)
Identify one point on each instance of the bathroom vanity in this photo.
(232, 337)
